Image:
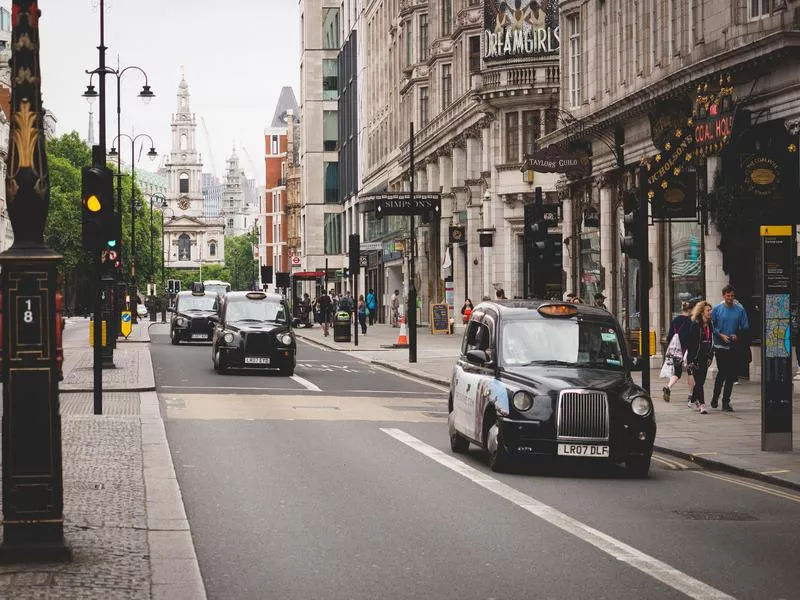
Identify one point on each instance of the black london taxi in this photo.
(189, 322)
(254, 331)
(549, 379)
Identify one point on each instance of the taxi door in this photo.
(468, 379)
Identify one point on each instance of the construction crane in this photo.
(210, 150)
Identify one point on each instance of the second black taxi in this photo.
(253, 331)
(549, 379)
(189, 322)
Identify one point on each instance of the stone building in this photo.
(632, 77)
(191, 238)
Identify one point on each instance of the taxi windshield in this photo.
(197, 302)
(255, 310)
(560, 342)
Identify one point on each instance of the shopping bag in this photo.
(667, 370)
(674, 349)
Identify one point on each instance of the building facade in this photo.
(6, 231)
(718, 79)
(239, 208)
(213, 190)
(191, 238)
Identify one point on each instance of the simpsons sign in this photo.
(520, 29)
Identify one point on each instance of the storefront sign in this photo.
(457, 234)
(762, 176)
(555, 160)
(404, 205)
(778, 267)
(678, 200)
(713, 116)
(516, 32)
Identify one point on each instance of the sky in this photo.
(236, 55)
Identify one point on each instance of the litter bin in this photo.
(341, 326)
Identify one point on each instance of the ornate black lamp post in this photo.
(33, 515)
(162, 204)
(164, 249)
(151, 154)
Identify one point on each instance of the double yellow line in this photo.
(752, 486)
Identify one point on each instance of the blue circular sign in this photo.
(126, 317)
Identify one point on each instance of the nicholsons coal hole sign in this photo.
(520, 29)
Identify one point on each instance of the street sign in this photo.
(362, 261)
(296, 260)
(371, 246)
(125, 323)
(404, 205)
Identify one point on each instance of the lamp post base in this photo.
(51, 549)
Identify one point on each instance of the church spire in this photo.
(183, 96)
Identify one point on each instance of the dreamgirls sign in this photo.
(519, 29)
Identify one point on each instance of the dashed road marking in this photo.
(678, 580)
(306, 383)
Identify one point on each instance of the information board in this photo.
(778, 255)
(440, 318)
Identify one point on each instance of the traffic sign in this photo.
(296, 260)
(362, 261)
(126, 324)
(371, 246)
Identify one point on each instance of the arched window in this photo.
(184, 247)
(184, 183)
(212, 249)
(183, 141)
(230, 223)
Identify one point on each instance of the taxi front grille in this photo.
(257, 343)
(582, 416)
(201, 325)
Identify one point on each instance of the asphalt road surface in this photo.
(339, 484)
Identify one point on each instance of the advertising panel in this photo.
(520, 29)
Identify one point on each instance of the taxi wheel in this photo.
(498, 457)
(174, 337)
(219, 363)
(458, 444)
(638, 466)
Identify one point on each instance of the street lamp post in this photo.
(164, 208)
(151, 154)
(152, 245)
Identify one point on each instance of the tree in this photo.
(240, 259)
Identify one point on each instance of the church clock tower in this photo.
(184, 169)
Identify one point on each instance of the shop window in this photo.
(686, 264)
(590, 275)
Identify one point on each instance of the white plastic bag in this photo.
(667, 370)
(674, 349)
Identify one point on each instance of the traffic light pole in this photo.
(644, 279)
(412, 289)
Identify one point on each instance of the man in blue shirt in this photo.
(730, 330)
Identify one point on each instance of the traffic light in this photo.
(631, 242)
(266, 274)
(345, 273)
(97, 207)
(170, 286)
(355, 253)
(177, 285)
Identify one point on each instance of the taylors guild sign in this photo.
(520, 29)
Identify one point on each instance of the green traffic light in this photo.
(112, 243)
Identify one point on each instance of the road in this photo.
(339, 483)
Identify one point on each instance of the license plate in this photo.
(256, 360)
(589, 450)
(199, 336)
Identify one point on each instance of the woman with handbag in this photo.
(677, 340)
(700, 351)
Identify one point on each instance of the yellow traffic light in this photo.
(93, 204)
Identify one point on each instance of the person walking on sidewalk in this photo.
(372, 306)
(362, 314)
(675, 349)
(700, 351)
(394, 308)
(731, 328)
(323, 310)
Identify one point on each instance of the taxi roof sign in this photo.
(198, 289)
(558, 310)
(256, 295)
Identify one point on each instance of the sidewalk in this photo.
(123, 512)
(725, 441)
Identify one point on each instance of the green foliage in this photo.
(240, 260)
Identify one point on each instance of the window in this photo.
(409, 44)
(423, 37)
(447, 17)
(531, 130)
(447, 85)
(212, 249)
(331, 176)
(183, 141)
(423, 106)
(512, 137)
(230, 222)
(330, 130)
(474, 54)
(330, 79)
(183, 186)
(274, 145)
(333, 233)
(759, 9)
(184, 247)
(574, 60)
(330, 28)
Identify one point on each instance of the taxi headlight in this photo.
(522, 401)
(641, 406)
(180, 322)
(227, 337)
(285, 339)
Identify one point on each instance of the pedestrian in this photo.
(323, 311)
(677, 343)
(600, 301)
(466, 310)
(346, 303)
(700, 351)
(362, 314)
(501, 294)
(731, 329)
(394, 308)
(570, 297)
(372, 307)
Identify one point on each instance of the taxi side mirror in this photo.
(477, 357)
(213, 318)
(635, 364)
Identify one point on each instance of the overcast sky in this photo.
(237, 54)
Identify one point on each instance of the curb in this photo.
(715, 465)
(107, 389)
(423, 377)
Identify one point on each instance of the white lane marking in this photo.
(306, 383)
(230, 387)
(648, 565)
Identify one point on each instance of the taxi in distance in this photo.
(253, 331)
(189, 322)
(540, 378)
